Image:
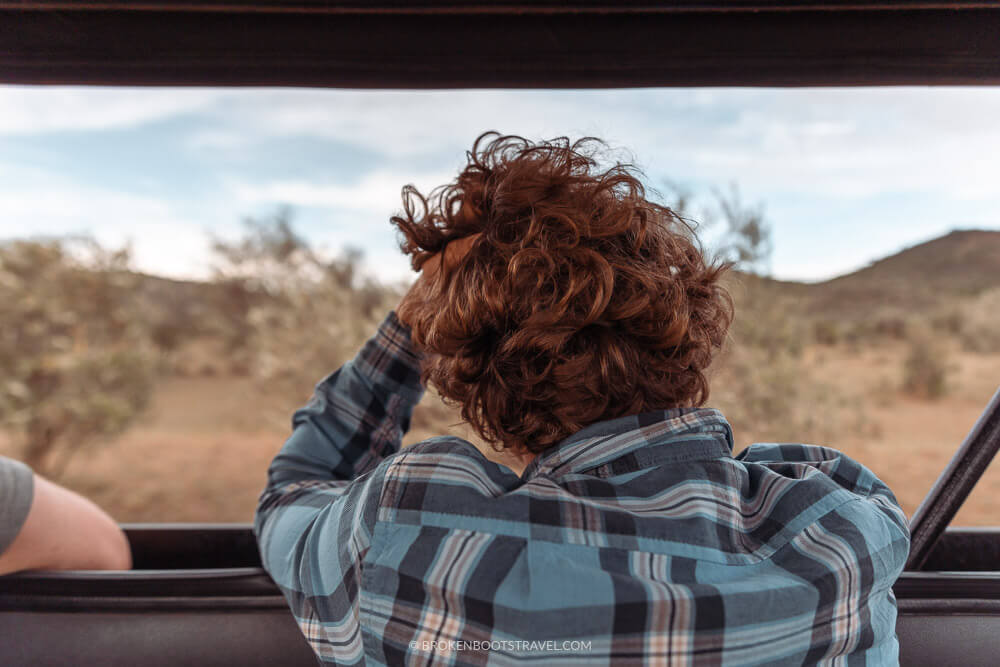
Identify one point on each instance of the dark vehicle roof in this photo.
(493, 43)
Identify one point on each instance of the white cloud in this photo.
(401, 124)
(162, 241)
(842, 142)
(377, 192)
(37, 110)
(855, 142)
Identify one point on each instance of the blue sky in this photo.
(845, 176)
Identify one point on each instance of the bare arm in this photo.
(65, 531)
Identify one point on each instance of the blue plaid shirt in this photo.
(638, 540)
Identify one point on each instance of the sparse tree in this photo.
(760, 381)
(289, 313)
(680, 198)
(75, 353)
(748, 237)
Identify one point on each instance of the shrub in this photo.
(763, 384)
(980, 323)
(765, 319)
(895, 328)
(75, 350)
(949, 321)
(286, 315)
(925, 369)
(826, 332)
(779, 399)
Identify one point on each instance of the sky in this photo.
(845, 176)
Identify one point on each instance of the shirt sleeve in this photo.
(17, 491)
(315, 517)
(852, 554)
(847, 473)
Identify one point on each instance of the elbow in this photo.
(108, 549)
(116, 553)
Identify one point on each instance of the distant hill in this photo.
(926, 276)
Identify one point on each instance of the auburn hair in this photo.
(580, 301)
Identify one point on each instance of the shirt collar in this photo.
(660, 436)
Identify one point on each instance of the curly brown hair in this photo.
(580, 301)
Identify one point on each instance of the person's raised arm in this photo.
(358, 415)
(64, 531)
(322, 489)
(315, 517)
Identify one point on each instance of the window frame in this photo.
(492, 43)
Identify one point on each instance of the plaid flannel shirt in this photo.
(638, 540)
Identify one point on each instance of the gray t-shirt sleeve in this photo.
(17, 490)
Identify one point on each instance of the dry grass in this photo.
(913, 438)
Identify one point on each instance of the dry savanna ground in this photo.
(201, 451)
